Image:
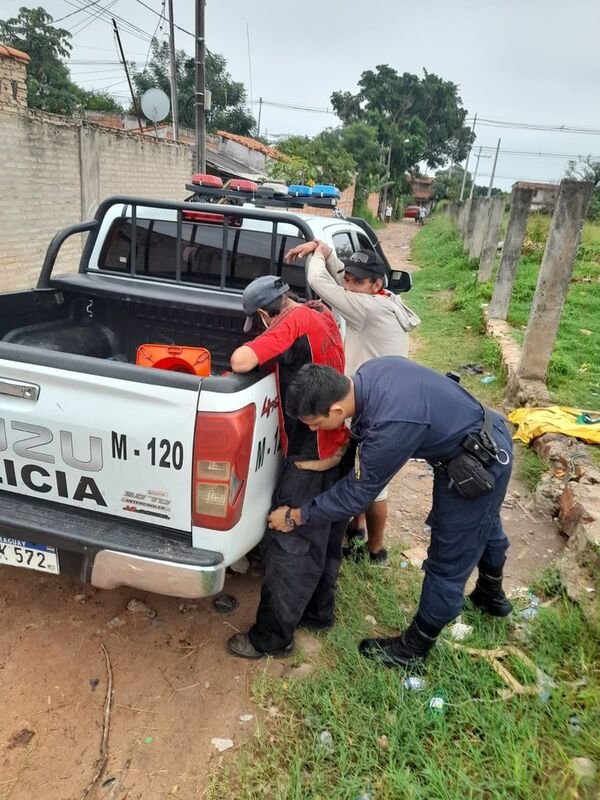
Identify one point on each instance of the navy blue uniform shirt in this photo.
(403, 410)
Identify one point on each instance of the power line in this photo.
(105, 15)
(160, 22)
(292, 107)
(72, 13)
(538, 126)
(179, 28)
(539, 154)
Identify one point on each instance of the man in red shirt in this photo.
(300, 571)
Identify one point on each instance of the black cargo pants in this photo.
(301, 567)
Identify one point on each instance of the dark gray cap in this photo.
(364, 264)
(259, 294)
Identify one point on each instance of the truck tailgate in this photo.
(97, 443)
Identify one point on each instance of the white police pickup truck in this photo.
(125, 475)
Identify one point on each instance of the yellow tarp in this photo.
(533, 422)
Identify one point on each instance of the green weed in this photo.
(481, 747)
(531, 467)
(450, 302)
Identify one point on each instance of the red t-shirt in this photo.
(303, 335)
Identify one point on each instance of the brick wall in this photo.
(55, 171)
(40, 193)
(13, 78)
(373, 203)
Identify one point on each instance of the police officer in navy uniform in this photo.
(402, 410)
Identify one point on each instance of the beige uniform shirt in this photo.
(376, 325)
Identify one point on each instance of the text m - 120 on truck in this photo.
(126, 475)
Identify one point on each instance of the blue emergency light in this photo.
(297, 190)
(323, 190)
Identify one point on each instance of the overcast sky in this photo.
(532, 61)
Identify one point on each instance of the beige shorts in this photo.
(383, 495)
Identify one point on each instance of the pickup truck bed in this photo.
(93, 315)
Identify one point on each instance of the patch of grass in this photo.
(449, 300)
(531, 467)
(481, 747)
(594, 452)
(574, 369)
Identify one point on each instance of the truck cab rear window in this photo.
(249, 253)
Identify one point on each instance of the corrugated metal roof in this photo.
(230, 166)
(254, 144)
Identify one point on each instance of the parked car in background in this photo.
(411, 212)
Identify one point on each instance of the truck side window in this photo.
(343, 245)
(248, 253)
(365, 243)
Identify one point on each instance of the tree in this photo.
(420, 119)
(322, 159)
(447, 186)
(586, 169)
(49, 84)
(228, 111)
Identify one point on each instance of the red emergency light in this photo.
(200, 179)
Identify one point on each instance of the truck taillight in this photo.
(222, 446)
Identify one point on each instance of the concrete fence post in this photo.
(553, 279)
(474, 206)
(490, 245)
(462, 213)
(480, 228)
(511, 252)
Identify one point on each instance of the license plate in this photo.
(18, 553)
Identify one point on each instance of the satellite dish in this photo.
(155, 105)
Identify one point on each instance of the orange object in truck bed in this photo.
(193, 360)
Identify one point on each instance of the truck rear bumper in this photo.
(109, 552)
(112, 569)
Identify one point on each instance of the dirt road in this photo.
(174, 686)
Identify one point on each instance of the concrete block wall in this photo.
(55, 172)
(39, 164)
(13, 78)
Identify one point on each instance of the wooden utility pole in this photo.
(200, 89)
(174, 103)
(133, 100)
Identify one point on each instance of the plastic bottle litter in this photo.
(414, 683)
(488, 379)
(574, 724)
(326, 741)
(139, 607)
(460, 631)
(438, 703)
(533, 608)
(221, 744)
(246, 717)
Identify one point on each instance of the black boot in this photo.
(407, 650)
(488, 596)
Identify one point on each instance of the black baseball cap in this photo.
(259, 294)
(364, 264)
